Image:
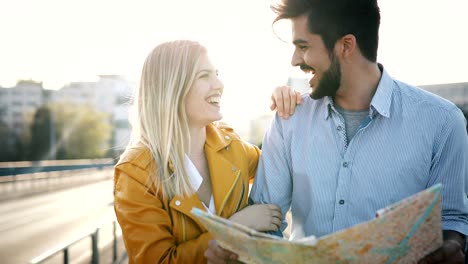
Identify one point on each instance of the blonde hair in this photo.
(161, 122)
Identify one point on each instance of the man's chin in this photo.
(316, 94)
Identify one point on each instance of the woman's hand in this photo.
(285, 99)
(261, 217)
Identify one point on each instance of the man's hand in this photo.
(218, 255)
(285, 99)
(261, 217)
(451, 251)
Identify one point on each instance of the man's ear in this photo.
(346, 46)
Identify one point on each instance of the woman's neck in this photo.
(197, 141)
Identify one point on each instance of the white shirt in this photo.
(196, 180)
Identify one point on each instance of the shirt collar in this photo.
(381, 102)
(194, 176)
(329, 107)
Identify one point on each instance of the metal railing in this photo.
(95, 256)
(30, 167)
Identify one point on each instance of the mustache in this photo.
(305, 67)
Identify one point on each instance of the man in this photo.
(362, 140)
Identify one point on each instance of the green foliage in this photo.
(69, 131)
(82, 132)
(41, 134)
(6, 149)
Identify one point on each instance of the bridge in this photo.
(59, 212)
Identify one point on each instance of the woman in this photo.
(181, 158)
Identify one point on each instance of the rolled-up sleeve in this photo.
(273, 182)
(450, 167)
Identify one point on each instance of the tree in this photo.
(41, 134)
(82, 132)
(5, 141)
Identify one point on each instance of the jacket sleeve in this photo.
(147, 226)
(252, 152)
(273, 182)
(253, 155)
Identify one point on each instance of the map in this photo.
(403, 232)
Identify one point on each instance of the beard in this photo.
(330, 81)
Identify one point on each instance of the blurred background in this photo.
(68, 70)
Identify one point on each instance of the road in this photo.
(32, 225)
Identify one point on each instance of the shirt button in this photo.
(341, 202)
(233, 169)
(339, 128)
(177, 202)
(345, 164)
(227, 137)
(227, 148)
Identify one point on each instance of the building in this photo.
(17, 107)
(454, 92)
(18, 104)
(109, 94)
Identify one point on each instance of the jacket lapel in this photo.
(224, 177)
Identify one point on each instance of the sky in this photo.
(60, 41)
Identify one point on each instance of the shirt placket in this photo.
(344, 173)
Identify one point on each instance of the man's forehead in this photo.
(299, 26)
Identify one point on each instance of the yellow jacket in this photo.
(157, 230)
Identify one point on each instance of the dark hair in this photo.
(333, 19)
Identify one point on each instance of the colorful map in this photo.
(402, 233)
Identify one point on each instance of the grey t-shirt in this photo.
(352, 120)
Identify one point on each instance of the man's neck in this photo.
(358, 85)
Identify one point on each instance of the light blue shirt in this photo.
(410, 141)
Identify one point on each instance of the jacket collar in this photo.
(216, 138)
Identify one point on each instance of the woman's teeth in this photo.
(214, 99)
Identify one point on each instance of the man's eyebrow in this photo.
(299, 41)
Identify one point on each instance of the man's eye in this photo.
(302, 47)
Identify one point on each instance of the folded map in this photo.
(403, 232)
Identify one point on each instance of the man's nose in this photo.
(296, 59)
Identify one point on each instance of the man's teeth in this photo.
(308, 71)
(214, 99)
